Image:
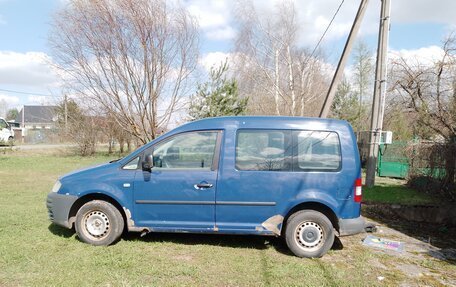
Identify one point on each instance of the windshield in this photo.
(3, 124)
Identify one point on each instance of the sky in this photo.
(27, 76)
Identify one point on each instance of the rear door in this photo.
(179, 192)
(265, 170)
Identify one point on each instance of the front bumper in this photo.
(58, 206)
(351, 226)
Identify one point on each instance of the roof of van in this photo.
(272, 122)
(256, 122)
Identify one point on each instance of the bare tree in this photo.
(363, 68)
(430, 89)
(79, 127)
(132, 58)
(113, 133)
(277, 76)
(362, 80)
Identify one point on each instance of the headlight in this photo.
(56, 186)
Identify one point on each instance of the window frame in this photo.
(215, 159)
(139, 163)
(295, 151)
(288, 153)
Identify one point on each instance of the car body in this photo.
(6, 132)
(232, 175)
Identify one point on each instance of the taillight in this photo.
(358, 190)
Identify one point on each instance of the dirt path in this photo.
(420, 264)
(39, 146)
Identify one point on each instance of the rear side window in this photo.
(263, 150)
(316, 150)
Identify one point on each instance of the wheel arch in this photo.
(90, 197)
(313, 205)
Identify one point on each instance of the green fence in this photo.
(392, 160)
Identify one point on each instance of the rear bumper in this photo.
(351, 226)
(59, 206)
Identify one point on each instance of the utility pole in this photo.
(23, 125)
(378, 103)
(65, 100)
(343, 59)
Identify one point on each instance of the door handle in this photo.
(203, 185)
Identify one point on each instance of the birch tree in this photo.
(278, 76)
(132, 58)
(363, 77)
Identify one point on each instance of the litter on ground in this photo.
(382, 243)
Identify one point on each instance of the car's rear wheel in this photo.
(10, 141)
(309, 233)
(99, 223)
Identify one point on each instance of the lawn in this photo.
(395, 191)
(33, 252)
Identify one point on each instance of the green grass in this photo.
(34, 252)
(394, 191)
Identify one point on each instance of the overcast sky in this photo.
(417, 28)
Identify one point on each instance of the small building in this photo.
(37, 124)
(37, 117)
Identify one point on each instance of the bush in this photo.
(432, 168)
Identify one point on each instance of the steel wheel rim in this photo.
(96, 224)
(309, 236)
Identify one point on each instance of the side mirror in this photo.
(148, 163)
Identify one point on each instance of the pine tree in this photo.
(217, 97)
(346, 105)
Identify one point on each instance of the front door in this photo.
(179, 192)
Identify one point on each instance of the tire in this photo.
(10, 141)
(99, 223)
(309, 233)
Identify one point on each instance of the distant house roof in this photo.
(37, 114)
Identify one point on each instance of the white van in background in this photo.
(6, 132)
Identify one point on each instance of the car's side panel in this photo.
(247, 202)
(113, 182)
(170, 199)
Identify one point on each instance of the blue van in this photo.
(298, 178)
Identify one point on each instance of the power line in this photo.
(25, 93)
(327, 28)
(343, 59)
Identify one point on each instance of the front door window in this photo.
(193, 151)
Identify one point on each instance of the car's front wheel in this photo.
(99, 223)
(309, 233)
